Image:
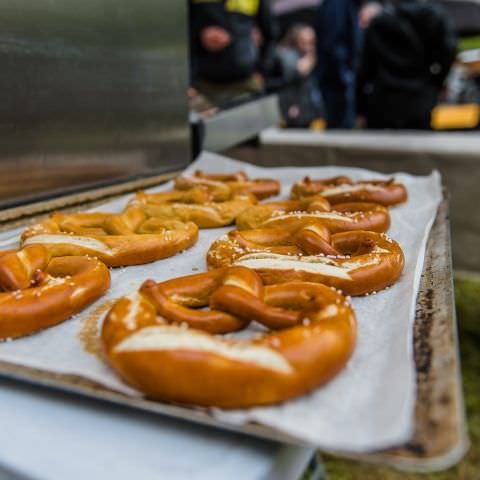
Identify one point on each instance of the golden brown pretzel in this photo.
(344, 217)
(38, 292)
(208, 214)
(343, 189)
(359, 262)
(217, 191)
(129, 238)
(239, 176)
(314, 338)
(195, 195)
(309, 239)
(254, 216)
(237, 183)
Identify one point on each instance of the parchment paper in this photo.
(368, 406)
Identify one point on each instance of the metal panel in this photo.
(238, 124)
(90, 91)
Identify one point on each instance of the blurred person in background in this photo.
(408, 49)
(295, 61)
(338, 40)
(232, 47)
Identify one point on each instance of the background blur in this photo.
(347, 64)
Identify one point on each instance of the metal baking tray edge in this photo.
(440, 438)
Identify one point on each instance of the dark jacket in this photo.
(407, 53)
(338, 40)
(242, 57)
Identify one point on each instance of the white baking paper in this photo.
(368, 406)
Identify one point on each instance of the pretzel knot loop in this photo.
(221, 186)
(357, 262)
(293, 213)
(163, 345)
(38, 291)
(199, 205)
(129, 238)
(344, 189)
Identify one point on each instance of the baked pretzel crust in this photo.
(344, 217)
(129, 238)
(236, 183)
(152, 348)
(357, 262)
(343, 189)
(206, 213)
(38, 291)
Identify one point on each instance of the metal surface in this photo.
(238, 124)
(440, 425)
(155, 440)
(86, 199)
(440, 439)
(90, 91)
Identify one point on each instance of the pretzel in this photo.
(254, 216)
(237, 183)
(196, 195)
(205, 214)
(344, 217)
(343, 189)
(38, 292)
(215, 190)
(357, 262)
(129, 238)
(148, 345)
(239, 176)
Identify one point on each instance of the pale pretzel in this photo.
(357, 262)
(39, 292)
(344, 217)
(205, 214)
(151, 348)
(343, 189)
(237, 183)
(129, 238)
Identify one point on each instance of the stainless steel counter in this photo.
(90, 92)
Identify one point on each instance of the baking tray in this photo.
(440, 438)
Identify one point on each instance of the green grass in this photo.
(467, 294)
(468, 43)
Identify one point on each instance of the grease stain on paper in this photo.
(89, 334)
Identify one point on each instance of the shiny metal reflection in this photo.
(90, 91)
